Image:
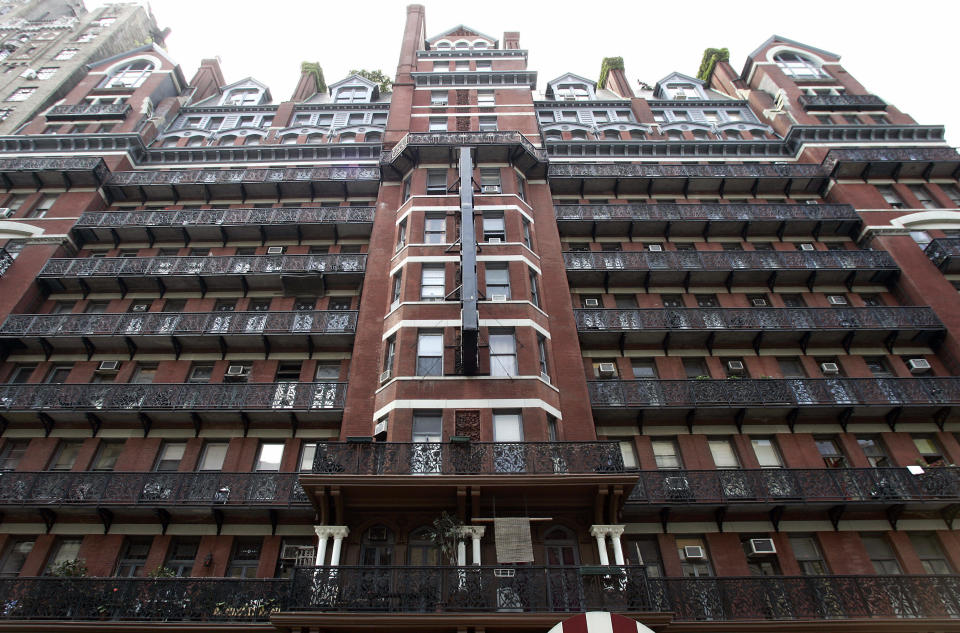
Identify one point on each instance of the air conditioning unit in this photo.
(109, 366)
(386, 375)
(735, 366)
(490, 189)
(837, 300)
(274, 250)
(544, 376)
(237, 370)
(759, 303)
(693, 552)
(381, 427)
(493, 240)
(607, 369)
(499, 298)
(807, 247)
(829, 369)
(504, 572)
(395, 305)
(29, 74)
(6, 212)
(655, 248)
(591, 303)
(140, 307)
(918, 365)
(762, 546)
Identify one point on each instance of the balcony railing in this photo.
(467, 458)
(707, 212)
(6, 261)
(53, 172)
(487, 147)
(781, 485)
(151, 489)
(788, 392)
(226, 217)
(945, 253)
(482, 589)
(211, 265)
(88, 111)
(292, 396)
(239, 176)
(749, 171)
(727, 260)
(842, 102)
(893, 163)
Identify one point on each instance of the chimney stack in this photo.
(208, 80)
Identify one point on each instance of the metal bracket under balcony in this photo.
(258, 183)
(842, 102)
(596, 269)
(225, 225)
(84, 111)
(37, 173)
(712, 328)
(169, 333)
(945, 253)
(895, 163)
(442, 147)
(707, 220)
(297, 273)
(756, 179)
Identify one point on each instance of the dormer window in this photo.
(479, 44)
(242, 97)
(683, 91)
(572, 92)
(461, 45)
(443, 45)
(352, 94)
(798, 66)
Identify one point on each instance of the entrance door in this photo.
(563, 570)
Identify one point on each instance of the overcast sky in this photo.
(904, 54)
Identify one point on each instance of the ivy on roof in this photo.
(317, 72)
(609, 63)
(710, 58)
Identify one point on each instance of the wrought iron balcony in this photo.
(686, 327)
(842, 102)
(268, 182)
(225, 225)
(710, 220)
(501, 146)
(88, 111)
(596, 268)
(151, 489)
(895, 163)
(172, 332)
(594, 179)
(807, 486)
(945, 253)
(6, 261)
(52, 172)
(268, 272)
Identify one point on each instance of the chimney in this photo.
(311, 82)
(208, 80)
(511, 40)
(613, 78)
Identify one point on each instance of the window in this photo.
(66, 455)
(352, 95)
(430, 353)
(484, 65)
(767, 453)
(807, 553)
(438, 124)
(707, 301)
(695, 368)
(724, 455)
(666, 454)
(643, 368)
(434, 229)
(498, 281)
(66, 549)
(170, 455)
(891, 196)
(922, 194)
(327, 371)
(494, 227)
(241, 97)
(527, 238)
(830, 451)
(881, 554)
(436, 182)
(13, 451)
(87, 36)
(953, 192)
(15, 557)
(643, 550)
(268, 459)
(534, 289)
(485, 98)
(694, 567)
(200, 374)
(929, 450)
(65, 54)
(542, 356)
(132, 75)
(759, 565)
(107, 455)
(490, 180)
(134, 556)
(874, 451)
(931, 554)
(432, 283)
(798, 66)
(213, 455)
(182, 555)
(47, 72)
(397, 288)
(438, 98)
(21, 94)
(245, 558)
(427, 428)
(503, 353)
(389, 354)
(488, 124)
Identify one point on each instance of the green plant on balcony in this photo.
(69, 568)
(162, 572)
(445, 534)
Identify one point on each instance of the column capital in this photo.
(473, 531)
(603, 530)
(335, 531)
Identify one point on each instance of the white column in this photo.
(475, 532)
(599, 532)
(323, 534)
(338, 532)
(615, 532)
(461, 552)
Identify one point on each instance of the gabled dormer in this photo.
(462, 38)
(354, 89)
(796, 60)
(246, 92)
(571, 87)
(679, 86)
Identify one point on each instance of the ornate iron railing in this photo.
(942, 249)
(892, 154)
(706, 212)
(872, 318)
(240, 176)
(6, 261)
(775, 392)
(726, 260)
(635, 170)
(151, 489)
(210, 265)
(467, 458)
(463, 138)
(85, 110)
(782, 485)
(293, 396)
(842, 102)
(226, 217)
(173, 323)
(53, 164)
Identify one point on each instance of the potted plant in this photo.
(445, 534)
(69, 568)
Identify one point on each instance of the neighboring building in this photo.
(469, 357)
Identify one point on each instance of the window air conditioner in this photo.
(544, 376)
(655, 248)
(759, 303)
(607, 369)
(500, 298)
(918, 365)
(504, 573)
(829, 369)
(693, 552)
(109, 366)
(735, 366)
(237, 370)
(807, 247)
(6, 212)
(274, 250)
(386, 375)
(837, 300)
(395, 305)
(140, 307)
(591, 303)
(381, 427)
(493, 240)
(762, 546)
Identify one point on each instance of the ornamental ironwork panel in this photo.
(89, 111)
(467, 458)
(890, 154)
(775, 391)
(460, 139)
(53, 164)
(636, 170)
(240, 176)
(706, 212)
(842, 102)
(942, 249)
(227, 217)
(726, 260)
(230, 265)
(6, 261)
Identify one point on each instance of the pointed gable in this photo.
(247, 91)
(679, 86)
(461, 33)
(571, 87)
(778, 42)
(354, 89)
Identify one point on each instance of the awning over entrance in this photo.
(599, 622)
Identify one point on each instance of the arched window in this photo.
(443, 45)
(611, 135)
(733, 135)
(674, 135)
(479, 44)
(228, 140)
(348, 137)
(253, 139)
(373, 137)
(130, 76)
(560, 547)
(578, 135)
(376, 547)
(195, 141)
(553, 135)
(700, 135)
(315, 138)
(288, 139)
(637, 135)
(421, 550)
(797, 65)
(171, 141)
(462, 44)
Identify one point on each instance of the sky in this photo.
(897, 52)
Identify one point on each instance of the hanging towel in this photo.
(513, 540)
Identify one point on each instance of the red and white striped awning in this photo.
(600, 622)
